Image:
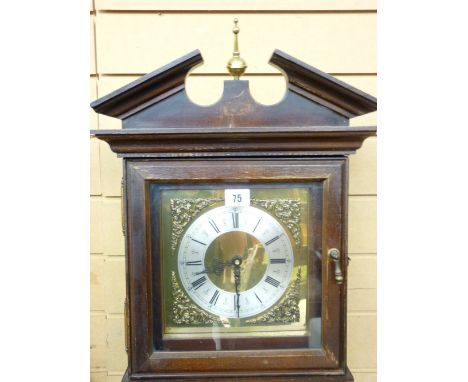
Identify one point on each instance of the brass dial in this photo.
(235, 261)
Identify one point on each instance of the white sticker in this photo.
(237, 197)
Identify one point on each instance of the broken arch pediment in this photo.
(159, 100)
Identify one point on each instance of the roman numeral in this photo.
(197, 262)
(214, 298)
(258, 298)
(235, 219)
(272, 240)
(272, 281)
(199, 242)
(256, 225)
(198, 283)
(213, 224)
(277, 261)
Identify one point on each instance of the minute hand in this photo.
(237, 284)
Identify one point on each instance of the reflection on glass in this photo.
(296, 312)
(220, 256)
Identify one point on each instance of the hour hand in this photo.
(237, 282)
(208, 270)
(201, 272)
(217, 268)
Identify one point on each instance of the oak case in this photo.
(167, 140)
(145, 330)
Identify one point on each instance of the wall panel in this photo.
(95, 168)
(363, 169)
(98, 348)
(362, 271)
(93, 95)
(99, 376)
(362, 235)
(138, 42)
(362, 300)
(92, 46)
(112, 228)
(367, 376)
(114, 289)
(97, 281)
(111, 171)
(116, 357)
(362, 341)
(96, 222)
(237, 5)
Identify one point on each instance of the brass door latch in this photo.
(335, 255)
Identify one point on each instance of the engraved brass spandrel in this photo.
(184, 311)
(183, 211)
(288, 211)
(287, 310)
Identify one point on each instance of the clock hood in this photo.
(158, 118)
(159, 99)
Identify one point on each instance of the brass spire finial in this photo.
(236, 65)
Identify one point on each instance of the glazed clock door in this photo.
(237, 265)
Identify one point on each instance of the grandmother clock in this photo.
(235, 221)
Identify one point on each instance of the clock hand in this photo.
(201, 272)
(236, 261)
(217, 268)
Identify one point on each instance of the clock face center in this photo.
(236, 261)
(236, 249)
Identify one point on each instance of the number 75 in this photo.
(237, 198)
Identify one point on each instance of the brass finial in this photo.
(236, 65)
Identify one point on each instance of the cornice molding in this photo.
(238, 142)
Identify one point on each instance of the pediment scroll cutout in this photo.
(159, 100)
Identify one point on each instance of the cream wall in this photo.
(132, 37)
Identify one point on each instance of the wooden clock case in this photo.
(166, 138)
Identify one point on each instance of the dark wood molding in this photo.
(147, 363)
(159, 99)
(236, 108)
(316, 140)
(322, 87)
(348, 377)
(151, 86)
